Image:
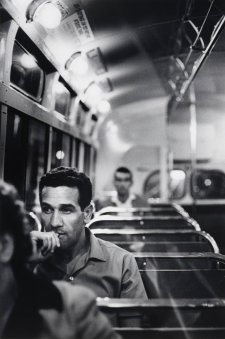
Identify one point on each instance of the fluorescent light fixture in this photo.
(77, 63)
(45, 13)
(60, 89)
(104, 107)
(92, 94)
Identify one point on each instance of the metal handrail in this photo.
(203, 234)
(108, 218)
(208, 255)
(114, 209)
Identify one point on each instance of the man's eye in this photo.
(66, 211)
(46, 210)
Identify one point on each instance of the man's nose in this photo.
(56, 219)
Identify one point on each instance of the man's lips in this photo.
(59, 233)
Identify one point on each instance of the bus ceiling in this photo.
(116, 53)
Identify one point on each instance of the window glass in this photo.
(62, 99)
(26, 75)
(177, 184)
(208, 184)
(87, 159)
(16, 151)
(36, 162)
(61, 149)
(81, 114)
(77, 153)
(25, 156)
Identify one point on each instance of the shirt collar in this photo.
(96, 251)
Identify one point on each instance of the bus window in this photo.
(62, 98)
(87, 154)
(61, 149)
(208, 184)
(81, 115)
(177, 184)
(16, 151)
(36, 162)
(77, 153)
(26, 75)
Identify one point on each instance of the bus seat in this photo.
(184, 283)
(175, 261)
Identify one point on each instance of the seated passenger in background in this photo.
(123, 180)
(71, 251)
(31, 307)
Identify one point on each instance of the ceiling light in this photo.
(60, 155)
(92, 94)
(77, 63)
(103, 107)
(45, 13)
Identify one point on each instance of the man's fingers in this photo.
(55, 241)
(48, 240)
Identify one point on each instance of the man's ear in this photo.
(88, 213)
(6, 248)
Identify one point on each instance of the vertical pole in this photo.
(163, 174)
(3, 123)
(193, 127)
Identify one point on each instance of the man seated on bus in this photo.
(31, 307)
(123, 180)
(72, 252)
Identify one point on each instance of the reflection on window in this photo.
(26, 75)
(81, 114)
(36, 162)
(77, 155)
(177, 184)
(208, 184)
(61, 149)
(16, 151)
(62, 99)
(87, 155)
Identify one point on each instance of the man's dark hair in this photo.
(13, 221)
(124, 170)
(70, 177)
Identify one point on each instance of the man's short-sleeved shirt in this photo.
(108, 270)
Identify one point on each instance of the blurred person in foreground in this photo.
(70, 251)
(31, 307)
(123, 180)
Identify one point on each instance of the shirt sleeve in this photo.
(132, 284)
(81, 318)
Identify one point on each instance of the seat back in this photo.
(167, 247)
(184, 283)
(173, 222)
(176, 261)
(121, 235)
(165, 318)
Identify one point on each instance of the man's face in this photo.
(62, 214)
(122, 183)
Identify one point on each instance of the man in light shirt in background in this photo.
(123, 180)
